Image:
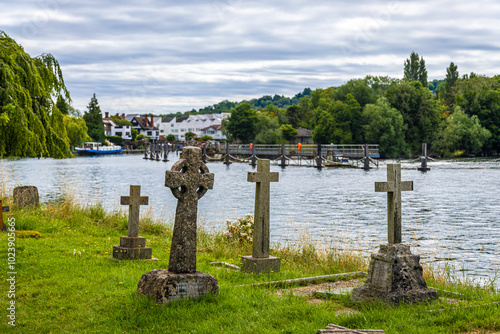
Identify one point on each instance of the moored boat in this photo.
(93, 148)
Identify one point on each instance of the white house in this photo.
(198, 124)
(113, 129)
(147, 125)
(214, 131)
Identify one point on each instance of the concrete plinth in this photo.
(164, 286)
(394, 276)
(132, 248)
(257, 265)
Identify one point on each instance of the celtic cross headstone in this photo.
(188, 179)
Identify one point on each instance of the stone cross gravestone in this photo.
(188, 179)
(261, 261)
(394, 274)
(393, 187)
(133, 247)
(3, 209)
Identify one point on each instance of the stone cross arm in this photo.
(390, 186)
(259, 177)
(263, 173)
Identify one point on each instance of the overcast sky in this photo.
(168, 56)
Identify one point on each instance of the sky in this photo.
(159, 57)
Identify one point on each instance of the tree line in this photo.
(455, 116)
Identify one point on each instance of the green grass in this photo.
(59, 292)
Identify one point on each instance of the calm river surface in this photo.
(452, 216)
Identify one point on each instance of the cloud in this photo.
(172, 56)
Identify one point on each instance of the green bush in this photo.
(241, 230)
(117, 140)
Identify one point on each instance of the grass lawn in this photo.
(65, 284)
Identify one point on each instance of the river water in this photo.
(451, 217)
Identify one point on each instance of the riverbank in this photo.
(64, 283)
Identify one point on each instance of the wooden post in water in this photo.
(204, 155)
(158, 144)
(253, 159)
(283, 157)
(227, 161)
(165, 152)
(423, 167)
(319, 161)
(146, 150)
(367, 158)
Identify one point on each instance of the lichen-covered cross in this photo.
(263, 178)
(134, 201)
(188, 179)
(393, 187)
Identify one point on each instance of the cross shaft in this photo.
(393, 187)
(263, 178)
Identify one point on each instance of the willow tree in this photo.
(30, 123)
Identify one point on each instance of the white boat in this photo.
(93, 148)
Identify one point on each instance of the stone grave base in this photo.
(256, 265)
(164, 286)
(132, 248)
(394, 276)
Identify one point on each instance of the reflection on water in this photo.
(452, 214)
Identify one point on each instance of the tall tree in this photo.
(30, 124)
(449, 83)
(414, 69)
(93, 119)
(384, 125)
(419, 110)
(268, 129)
(240, 125)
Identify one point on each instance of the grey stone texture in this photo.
(394, 277)
(261, 261)
(254, 265)
(133, 247)
(26, 196)
(393, 187)
(188, 179)
(164, 286)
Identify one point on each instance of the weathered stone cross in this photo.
(393, 187)
(188, 179)
(3, 209)
(263, 178)
(134, 201)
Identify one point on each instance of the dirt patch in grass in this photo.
(308, 290)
